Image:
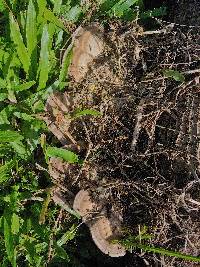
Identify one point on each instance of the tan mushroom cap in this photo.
(100, 226)
(88, 45)
(102, 234)
(84, 205)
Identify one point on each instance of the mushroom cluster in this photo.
(88, 44)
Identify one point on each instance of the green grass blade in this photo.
(65, 65)
(23, 86)
(45, 205)
(49, 15)
(168, 252)
(69, 235)
(18, 40)
(62, 153)
(44, 59)
(31, 37)
(15, 223)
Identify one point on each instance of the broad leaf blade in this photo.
(9, 241)
(65, 65)
(15, 224)
(57, 6)
(44, 59)
(17, 38)
(74, 13)
(61, 253)
(23, 116)
(31, 36)
(122, 6)
(3, 96)
(69, 235)
(174, 74)
(62, 153)
(20, 149)
(10, 136)
(156, 12)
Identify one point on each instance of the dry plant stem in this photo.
(193, 202)
(191, 71)
(60, 200)
(182, 136)
(161, 21)
(138, 125)
(87, 154)
(193, 119)
(198, 138)
(165, 30)
(192, 147)
(50, 251)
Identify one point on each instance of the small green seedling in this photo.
(174, 74)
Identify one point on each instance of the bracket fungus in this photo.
(85, 206)
(102, 234)
(88, 45)
(100, 226)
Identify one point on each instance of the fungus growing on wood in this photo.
(102, 234)
(85, 206)
(88, 45)
(100, 226)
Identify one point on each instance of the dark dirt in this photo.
(142, 154)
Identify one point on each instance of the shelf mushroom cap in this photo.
(88, 45)
(100, 226)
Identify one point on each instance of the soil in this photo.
(142, 155)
